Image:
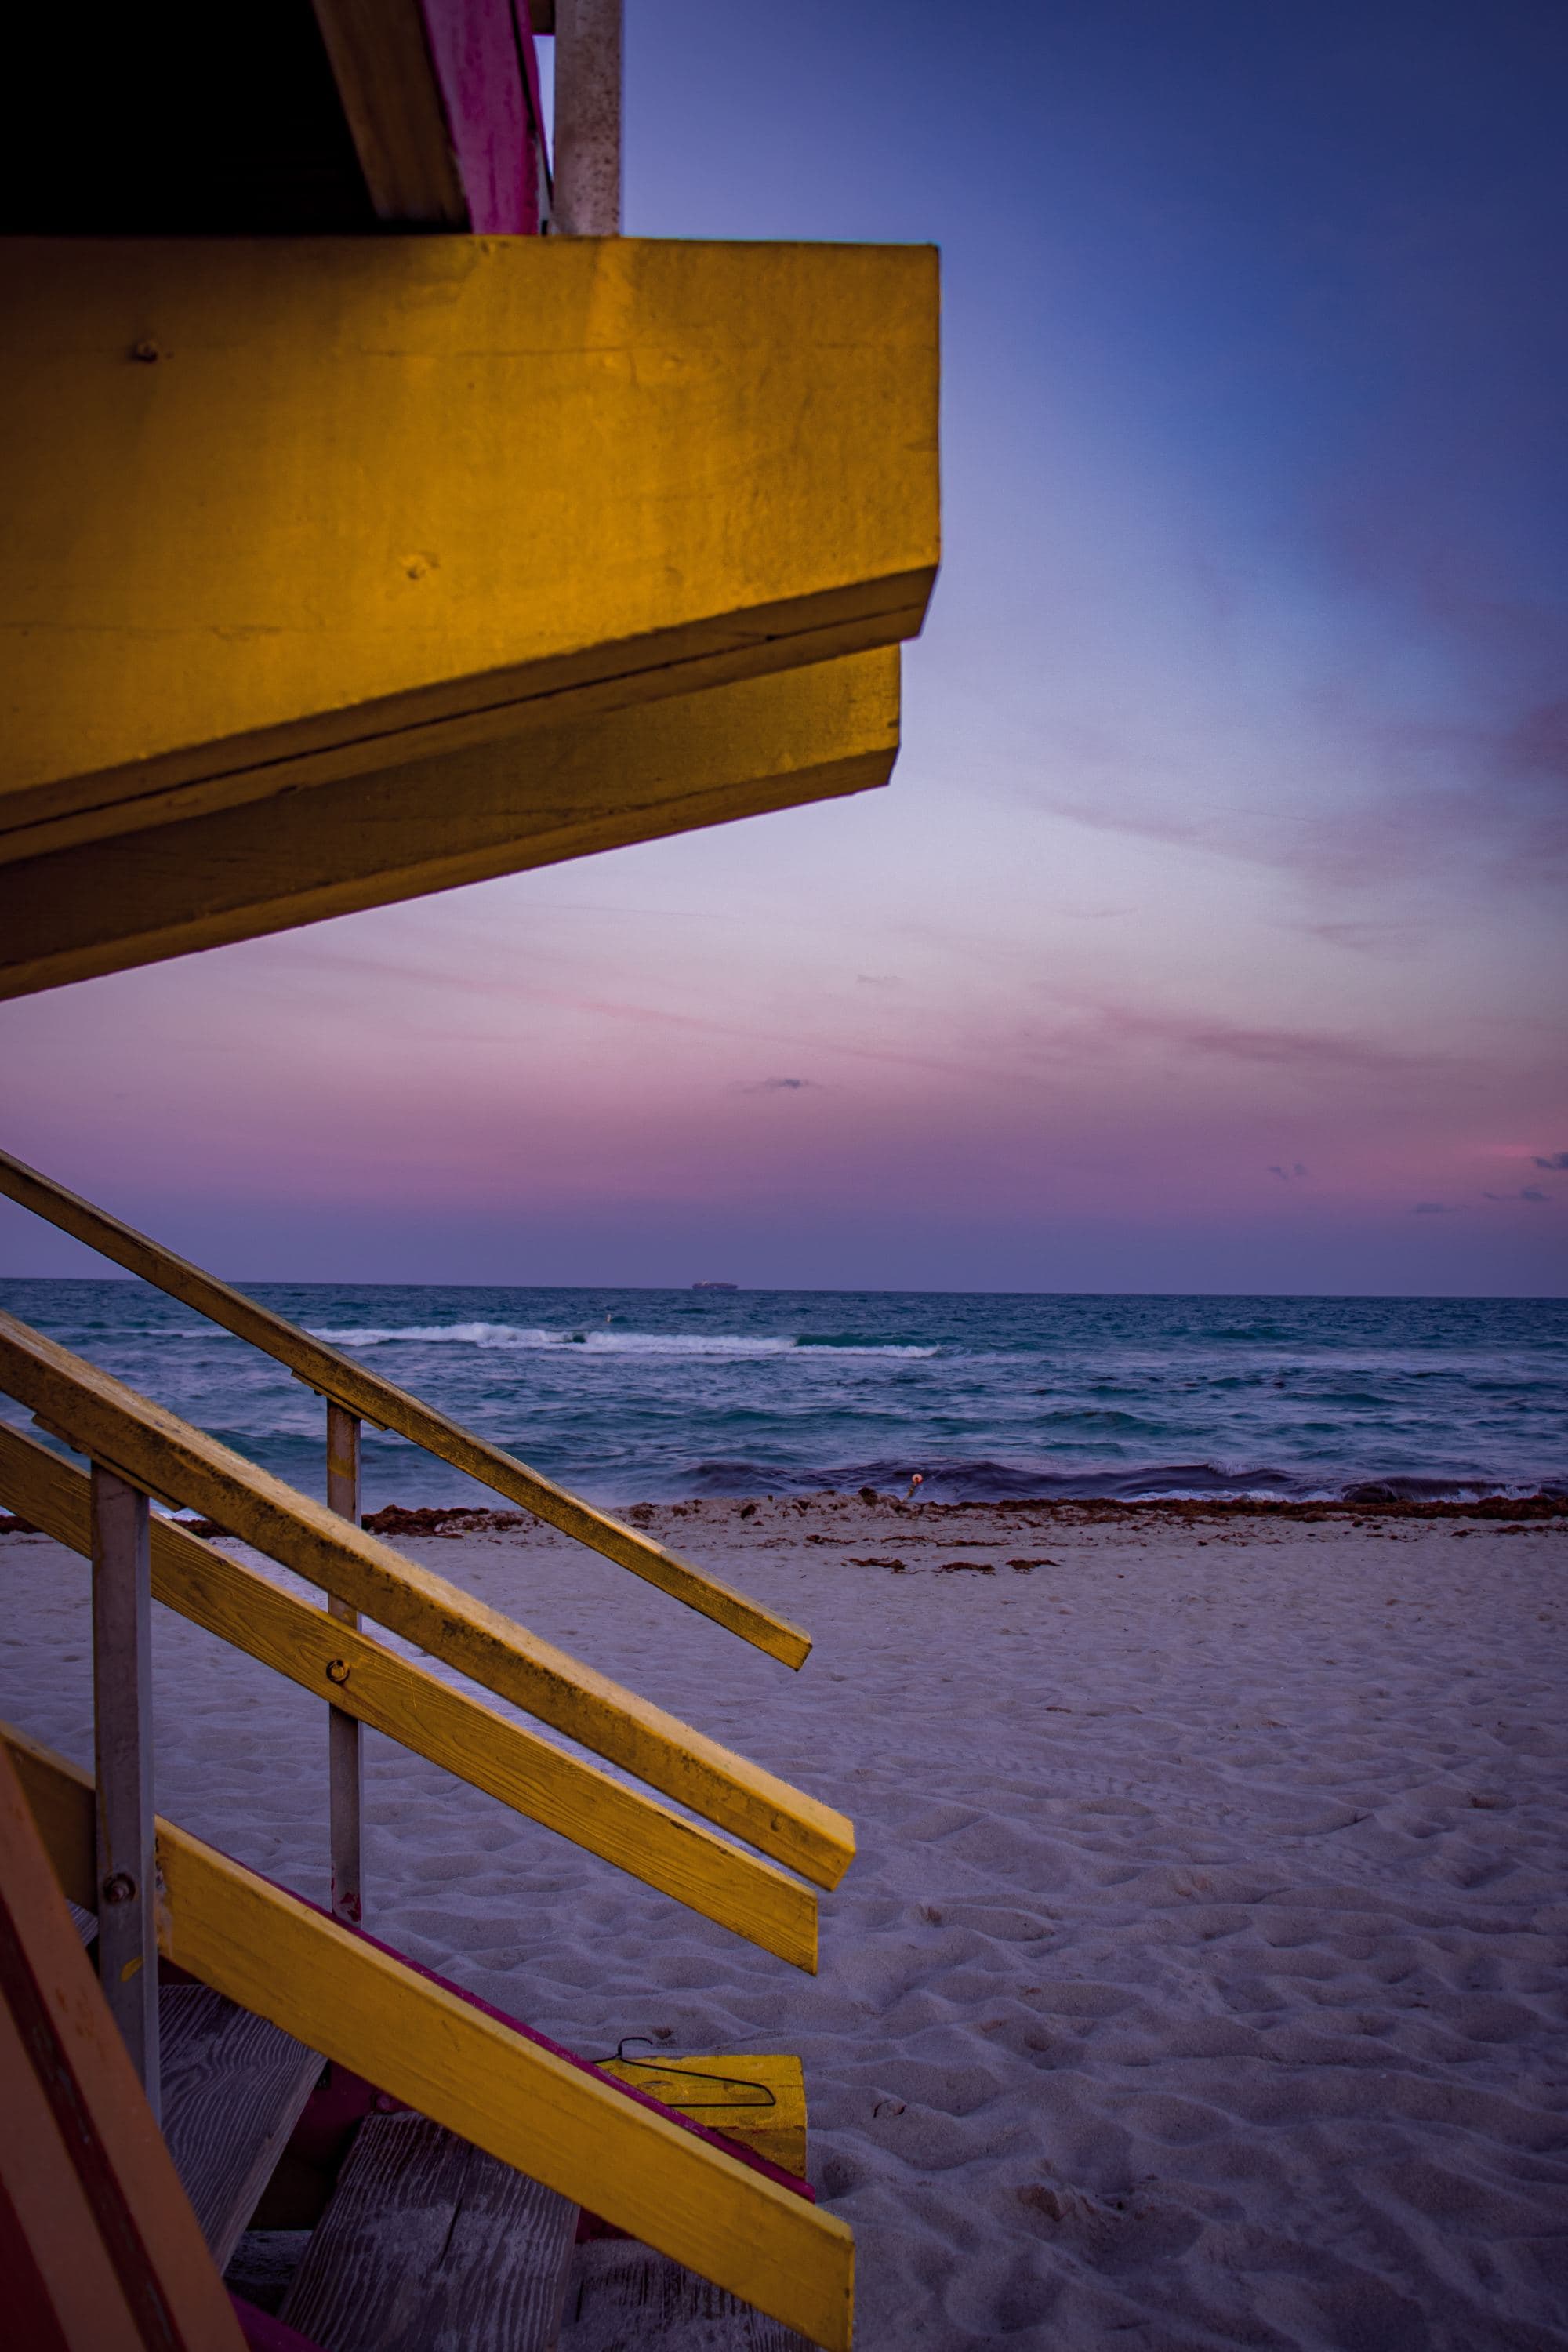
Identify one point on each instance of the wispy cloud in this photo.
(1362, 939)
(1553, 1160)
(1303, 1049)
(773, 1085)
(1526, 1193)
(1285, 1175)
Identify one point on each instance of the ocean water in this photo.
(652, 1395)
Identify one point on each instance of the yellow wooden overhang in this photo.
(559, 790)
(284, 511)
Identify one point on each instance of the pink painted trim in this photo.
(483, 55)
(523, 27)
(262, 2333)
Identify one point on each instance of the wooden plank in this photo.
(737, 443)
(429, 2241)
(116, 2257)
(623, 2297)
(233, 2088)
(379, 1402)
(104, 1418)
(60, 2285)
(431, 824)
(757, 2099)
(640, 1836)
(387, 81)
(122, 1748)
(345, 1765)
(483, 55)
(560, 2122)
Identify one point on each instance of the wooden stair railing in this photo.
(564, 2125)
(559, 2121)
(153, 1450)
(364, 1393)
(414, 1706)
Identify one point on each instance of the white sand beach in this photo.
(1200, 1978)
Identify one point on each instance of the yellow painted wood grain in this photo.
(756, 2098)
(155, 1449)
(387, 1407)
(284, 507)
(165, 885)
(640, 1836)
(263, 1948)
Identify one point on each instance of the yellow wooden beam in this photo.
(334, 1662)
(155, 1450)
(284, 510)
(377, 1400)
(557, 2122)
(555, 792)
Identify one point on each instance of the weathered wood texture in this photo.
(390, 94)
(233, 2088)
(122, 1749)
(736, 442)
(108, 1421)
(387, 1407)
(553, 793)
(640, 1836)
(428, 2241)
(110, 2257)
(757, 2099)
(623, 2297)
(345, 1763)
(561, 2123)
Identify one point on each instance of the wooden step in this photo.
(233, 2087)
(626, 2298)
(430, 2245)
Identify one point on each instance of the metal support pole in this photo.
(345, 1769)
(587, 118)
(127, 1858)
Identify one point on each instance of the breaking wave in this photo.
(521, 1339)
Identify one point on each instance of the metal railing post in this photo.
(127, 1860)
(588, 44)
(345, 1765)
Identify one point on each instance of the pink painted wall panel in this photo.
(484, 55)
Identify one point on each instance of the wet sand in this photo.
(1200, 1978)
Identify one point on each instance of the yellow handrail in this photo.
(388, 1407)
(392, 1695)
(166, 1456)
(557, 2122)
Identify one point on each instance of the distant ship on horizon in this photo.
(715, 1285)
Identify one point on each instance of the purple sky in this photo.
(1210, 936)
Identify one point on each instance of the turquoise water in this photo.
(634, 1395)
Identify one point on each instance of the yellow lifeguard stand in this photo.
(381, 519)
